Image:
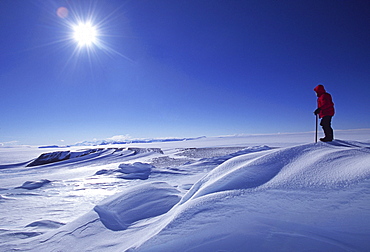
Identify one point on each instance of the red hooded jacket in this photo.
(324, 102)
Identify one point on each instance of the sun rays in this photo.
(88, 31)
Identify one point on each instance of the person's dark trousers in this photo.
(326, 126)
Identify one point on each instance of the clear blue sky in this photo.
(184, 68)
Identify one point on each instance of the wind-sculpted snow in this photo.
(88, 155)
(313, 165)
(145, 150)
(46, 224)
(312, 197)
(217, 160)
(136, 170)
(141, 202)
(30, 185)
(52, 157)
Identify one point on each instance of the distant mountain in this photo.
(122, 141)
(129, 141)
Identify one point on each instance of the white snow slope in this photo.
(307, 197)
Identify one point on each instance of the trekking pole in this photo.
(317, 122)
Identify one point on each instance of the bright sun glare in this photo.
(85, 34)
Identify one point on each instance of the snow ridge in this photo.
(53, 157)
(312, 165)
(86, 154)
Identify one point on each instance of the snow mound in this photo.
(311, 165)
(136, 170)
(144, 201)
(3, 197)
(30, 185)
(145, 150)
(46, 224)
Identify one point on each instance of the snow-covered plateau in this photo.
(278, 192)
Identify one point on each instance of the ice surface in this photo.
(209, 197)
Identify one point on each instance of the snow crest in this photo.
(141, 202)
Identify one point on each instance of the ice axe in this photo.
(317, 122)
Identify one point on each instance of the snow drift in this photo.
(310, 197)
(122, 210)
(136, 170)
(30, 185)
(307, 166)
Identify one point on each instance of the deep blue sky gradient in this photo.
(181, 68)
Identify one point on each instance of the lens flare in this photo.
(62, 12)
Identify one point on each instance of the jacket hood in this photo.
(319, 89)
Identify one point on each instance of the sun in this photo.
(85, 34)
(87, 30)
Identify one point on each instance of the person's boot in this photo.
(328, 131)
(325, 139)
(331, 134)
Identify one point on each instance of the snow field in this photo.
(310, 197)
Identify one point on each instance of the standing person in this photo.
(325, 110)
